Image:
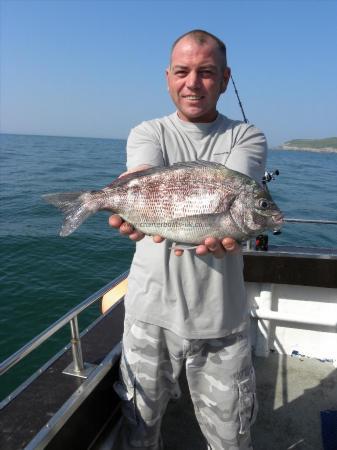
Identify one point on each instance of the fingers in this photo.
(230, 245)
(158, 239)
(125, 228)
(136, 235)
(115, 221)
(211, 245)
(178, 252)
(218, 248)
(214, 246)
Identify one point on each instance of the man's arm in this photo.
(144, 151)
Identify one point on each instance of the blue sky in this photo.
(96, 68)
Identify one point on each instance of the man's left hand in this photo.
(216, 247)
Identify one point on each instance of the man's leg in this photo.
(222, 385)
(148, 379)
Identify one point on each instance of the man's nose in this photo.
(193, 80)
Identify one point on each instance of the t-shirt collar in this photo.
(198, 128)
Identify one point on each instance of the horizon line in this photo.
(61, 136)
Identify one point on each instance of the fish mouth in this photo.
(278, 219)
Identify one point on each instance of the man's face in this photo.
(196, 79)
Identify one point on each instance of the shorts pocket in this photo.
(247, 402)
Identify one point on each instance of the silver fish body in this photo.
(186, 203)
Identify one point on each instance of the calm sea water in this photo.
(43, 275)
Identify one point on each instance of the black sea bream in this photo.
(185, 202)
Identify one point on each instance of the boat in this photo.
(70, 402)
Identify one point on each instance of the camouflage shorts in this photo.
(220, 377)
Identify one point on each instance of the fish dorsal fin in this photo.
(131, 176)
(199, 163)
(208, 165)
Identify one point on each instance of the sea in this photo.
(43, 275)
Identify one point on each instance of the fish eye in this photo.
(263, 204)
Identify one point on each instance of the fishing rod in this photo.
(240, 104)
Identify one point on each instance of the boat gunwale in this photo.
(51, 428)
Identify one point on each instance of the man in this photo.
(190, 309)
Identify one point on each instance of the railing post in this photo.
(76, 347)
(249, 245)
(77, 368)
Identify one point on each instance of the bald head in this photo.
(202, 37)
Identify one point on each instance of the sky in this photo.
(97, 68)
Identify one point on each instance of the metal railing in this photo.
(249, 243)
(317, 221)
(79, 368)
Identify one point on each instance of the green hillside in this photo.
(313, 143)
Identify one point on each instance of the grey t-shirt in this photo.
(196, 297)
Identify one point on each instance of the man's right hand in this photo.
(126, 228)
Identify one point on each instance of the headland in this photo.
(326, 145)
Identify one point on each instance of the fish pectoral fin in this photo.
(181, 246)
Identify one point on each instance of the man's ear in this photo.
(167, 72)
(225, 79)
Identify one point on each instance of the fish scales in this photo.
(185, 202)
(179, 193)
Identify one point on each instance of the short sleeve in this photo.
(143, 147)
(249, 152)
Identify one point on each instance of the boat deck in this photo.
(291, 393)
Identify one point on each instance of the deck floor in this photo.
(291, 394)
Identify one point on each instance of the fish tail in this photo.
(76, 207)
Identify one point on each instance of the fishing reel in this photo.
(269, 176)
(261, 241)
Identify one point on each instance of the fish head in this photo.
(254, 210)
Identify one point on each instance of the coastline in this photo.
(307, 149)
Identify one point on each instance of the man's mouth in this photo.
(193, 97)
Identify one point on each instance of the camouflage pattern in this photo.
(220, 377)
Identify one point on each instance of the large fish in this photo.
(185, 202)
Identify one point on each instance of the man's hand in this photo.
(126, 228)
(216, 247)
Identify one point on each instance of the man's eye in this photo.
(206, 73)
(180, 73)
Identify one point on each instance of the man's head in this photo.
(197, 75)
